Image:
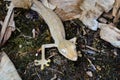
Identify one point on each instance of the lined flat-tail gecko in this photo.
(66, 47)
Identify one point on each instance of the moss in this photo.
(21, 50)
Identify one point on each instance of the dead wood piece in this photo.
(7, 68)
(110, 34)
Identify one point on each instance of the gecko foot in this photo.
(42, 62)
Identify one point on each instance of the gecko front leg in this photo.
(44, 62)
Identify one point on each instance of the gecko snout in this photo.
(74, 59)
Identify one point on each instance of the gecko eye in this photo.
(63, 51)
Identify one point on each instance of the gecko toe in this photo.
(47, 64)
(36, 62)
(42, 62)
(42, 67)
(48, 60)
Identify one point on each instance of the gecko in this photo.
(66, 47)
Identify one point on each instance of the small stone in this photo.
(79, 54)
(102, 20)
(89, 73)
(98, 68)
(20, 46)
(36, 54)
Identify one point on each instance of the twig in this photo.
(6, 21)
(55, 70)
(54, 78)
(94, 49)
(37, 73)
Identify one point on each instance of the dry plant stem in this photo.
(54, 77)
(55, 70)
(33, 33)
(9, 29)
(6, 21)
(94, 49)
(1, 22)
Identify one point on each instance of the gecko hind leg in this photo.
(44, 62)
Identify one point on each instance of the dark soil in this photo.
(96, 56)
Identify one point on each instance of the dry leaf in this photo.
(86, 10)
(116, 11)
(92, 10)
(22, 3)
(116, 7)
(47, 4)
(116, 18)
(110, 34)
(67, 9)
(7, 68)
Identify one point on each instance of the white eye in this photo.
(63, 51)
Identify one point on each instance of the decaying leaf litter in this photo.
(87, 43)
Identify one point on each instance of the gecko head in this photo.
(68, 50)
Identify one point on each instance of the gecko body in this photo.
(66, 47)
